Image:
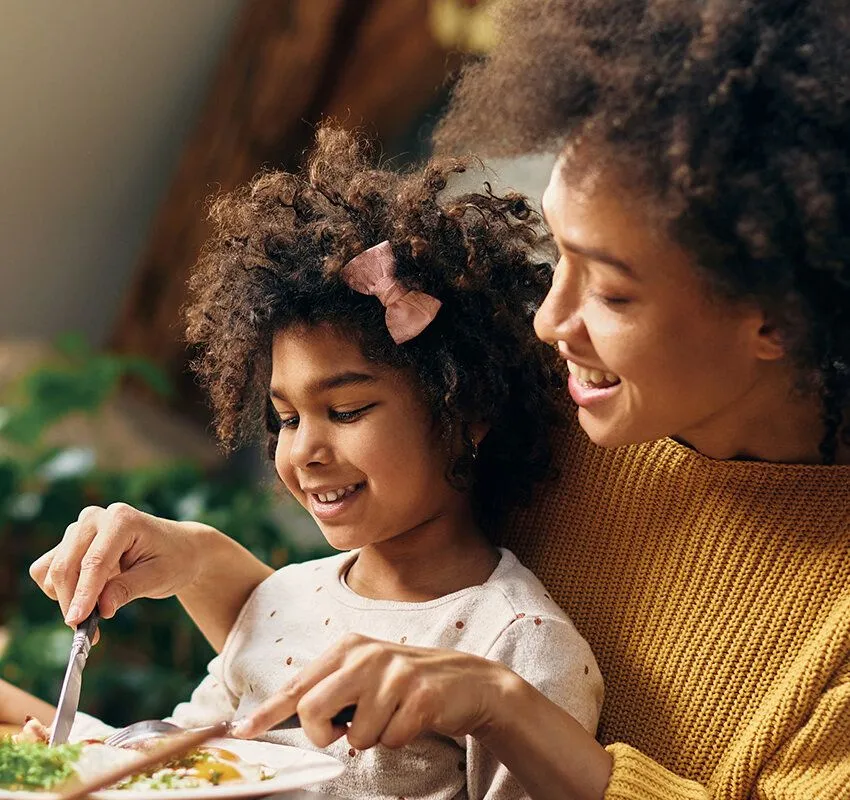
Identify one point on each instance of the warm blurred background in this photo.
(120, 119)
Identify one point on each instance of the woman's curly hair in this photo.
(736, 116)
(274, 262)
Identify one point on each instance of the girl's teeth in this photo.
(336, 494)
(591, 377)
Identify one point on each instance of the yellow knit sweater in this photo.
(716, 598)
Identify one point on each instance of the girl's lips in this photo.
(588, 396)
(328, 511)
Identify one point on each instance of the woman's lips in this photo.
(587, 395)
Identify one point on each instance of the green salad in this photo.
(34, 766)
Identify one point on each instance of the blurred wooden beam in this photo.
(289, 63)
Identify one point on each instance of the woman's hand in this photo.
(113, 555)
(403, 691)
(399, 692)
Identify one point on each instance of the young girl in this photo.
(383, 334)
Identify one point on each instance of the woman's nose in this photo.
(559, 316)
(309, 446)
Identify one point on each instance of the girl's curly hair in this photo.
(274, 262)
(735, 115)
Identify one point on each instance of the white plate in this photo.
(294, 767)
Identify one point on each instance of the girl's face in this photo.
(357, 447)
(651, 351)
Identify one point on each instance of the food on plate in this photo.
(33, 766)
(28, 763)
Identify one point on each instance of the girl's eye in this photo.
(287, 423)
(351, 416)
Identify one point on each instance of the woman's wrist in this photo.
(546, 749)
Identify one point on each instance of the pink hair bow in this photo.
(409, 312)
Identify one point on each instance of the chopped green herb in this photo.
(35, 766)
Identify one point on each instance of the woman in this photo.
(701, 536)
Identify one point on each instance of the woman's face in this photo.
(651, 351)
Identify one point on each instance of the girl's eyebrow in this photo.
(331, 382)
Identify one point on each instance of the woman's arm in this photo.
(227, 576)
(545, 748)
(402, 691)
(16, 705)
(113, 555)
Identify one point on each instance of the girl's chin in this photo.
(344, 540)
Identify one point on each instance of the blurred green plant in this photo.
(150, 655)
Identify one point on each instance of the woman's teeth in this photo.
(337, 494)
(592, 377)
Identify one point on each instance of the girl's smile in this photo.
(327, 504)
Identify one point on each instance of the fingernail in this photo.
(73, 615)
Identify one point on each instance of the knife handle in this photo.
(84, 633)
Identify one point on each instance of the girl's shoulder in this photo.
(302, 577)
(523, 590)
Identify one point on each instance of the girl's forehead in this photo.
(319, 359)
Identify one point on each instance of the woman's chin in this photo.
(610, 433)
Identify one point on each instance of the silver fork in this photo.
(157, 728)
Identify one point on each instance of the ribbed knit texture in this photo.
(716, 598)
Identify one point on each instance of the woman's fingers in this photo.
(284, 702)
(100, 562)
(399, 692)
(64, 570)
(319, 704)
(39, 570)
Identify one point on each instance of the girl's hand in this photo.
(399, 692)
(113, 555)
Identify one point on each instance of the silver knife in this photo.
(69, 697)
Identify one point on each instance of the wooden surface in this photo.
(370, 63)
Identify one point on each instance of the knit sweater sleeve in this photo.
(813, 762)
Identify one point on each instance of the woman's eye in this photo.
(351, 416)
(611, 300)
(287, 423)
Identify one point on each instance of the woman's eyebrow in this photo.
(336, 381)
(592, 253)
(601, 256)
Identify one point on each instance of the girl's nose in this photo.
(309, 446)
(559, 316)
